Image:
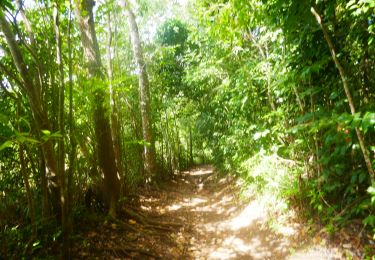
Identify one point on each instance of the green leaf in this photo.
(368, 121)
(22, 138)
(4, 119)
(36, 243)
(370, 220)
(6, 4)
(362, 176)
(46, 132)
(5, 145)
(371, 190)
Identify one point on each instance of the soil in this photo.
(199, 215)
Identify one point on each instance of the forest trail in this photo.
(216, 224)
(220, 226)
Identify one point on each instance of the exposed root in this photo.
(166, 229)
(126, 226)
(167, 224)
(142, 219)
(134, 215)
(126, 251)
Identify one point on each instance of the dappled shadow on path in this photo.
(217, 224)
(197, 215)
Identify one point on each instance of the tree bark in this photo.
(105, 151)
(345, 85)
(71, 123)
(145, 100)
(61, 146)
(191, 158)
(115, 125)
(33, 93)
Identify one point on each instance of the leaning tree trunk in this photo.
(145, 100)
(32, 88)
(105, 151)
(345, 84)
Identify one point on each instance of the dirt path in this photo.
(219, 226)
(215, 224)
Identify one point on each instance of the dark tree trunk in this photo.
(115, 122)
(105, 151)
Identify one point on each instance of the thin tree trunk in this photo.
(149, 146)
(72, 138)
(366, 85)
(162, 142)
(112, 97)
(269, 91)
(33, 92)
(264, 55)
(25, 177)
(178, 150)
(61, 127)
(191, 147)
(46, 212)
(105, 151)
(169, 145)
(345, 85)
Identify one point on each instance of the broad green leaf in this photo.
(5, 145)
(46, 132)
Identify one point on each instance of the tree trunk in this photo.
(115, 125)
(191, 161)
(61, 146)
(345, 85)
(71, 123)
(105, 151)
(149, 146)
(33, 92)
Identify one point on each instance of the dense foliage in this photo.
(245, 85)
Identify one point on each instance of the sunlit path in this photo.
(219, 226)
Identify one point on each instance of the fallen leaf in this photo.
(132, 222)
(92, 234)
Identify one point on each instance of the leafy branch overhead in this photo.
(109, 107)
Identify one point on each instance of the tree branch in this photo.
(345, 85)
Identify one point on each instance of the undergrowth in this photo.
(272, 179)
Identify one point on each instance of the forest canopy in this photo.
(100, 98)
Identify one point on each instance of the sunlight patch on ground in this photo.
(222, 253)
(287, 231)
(227, 243)
(146, 208)
(238, 244)
(225, 228)
(316, 252)
(199, 172)
(173, 207)
(148, 199)
(217, 207)
(247, 216)
(193, 202)
(226, 231)
(186, 203)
